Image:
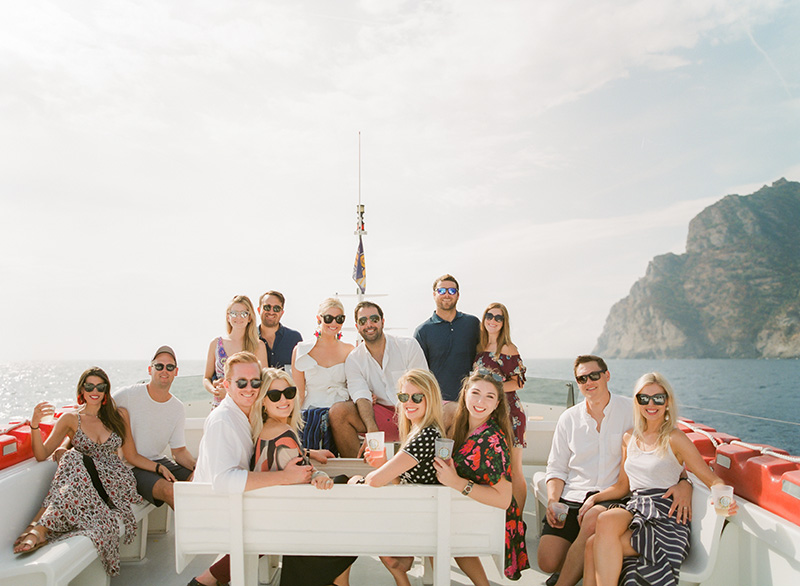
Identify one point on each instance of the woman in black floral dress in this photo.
(419, 420)
(498, 356)
(481, 467)
(92, 490)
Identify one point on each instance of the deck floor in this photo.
(159, 566)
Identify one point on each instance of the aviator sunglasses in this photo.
(101, 387)
(275, 308)
(416, 397)
(658, 399)
(374, 318)
(159, 367)
(443, 290)
(274, 395)
(591, 376)
(244, 314)
(499, 318)
(329, 318)
(254, 382)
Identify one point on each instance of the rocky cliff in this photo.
(735, 293)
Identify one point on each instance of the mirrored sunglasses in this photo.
(658, 399)
(591, 376)
(374, 318)
(444, 290)
(158, 366)
(275, 308)
(416, 397)
(254, 383)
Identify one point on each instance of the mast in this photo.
(360, 267)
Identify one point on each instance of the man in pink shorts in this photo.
(373, 369)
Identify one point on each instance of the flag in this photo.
(360, 268)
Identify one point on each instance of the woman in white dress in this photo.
(318, 372)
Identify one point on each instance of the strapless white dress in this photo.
(324, 385)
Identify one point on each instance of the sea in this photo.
(756, 400)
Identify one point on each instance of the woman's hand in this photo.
(355, 479)
(322, 482)
(58, 453)
(585, 507)
(42, 410)
(375, 460)
(321, 456)
(446, 472)
(681, 494)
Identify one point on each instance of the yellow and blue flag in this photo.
(360, 268)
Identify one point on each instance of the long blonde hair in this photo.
(258, 414)
(460, 429)
(670, 413)
(427, 385)
(503, 336)
(251, 340)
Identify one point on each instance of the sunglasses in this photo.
(658, 399)
(416, 397)
(239, 313)
(444, 290)
(591, 376)
(499, 318)
(159, 367)
(274, 395)
(101, 387)
(329, 318)
(374, 318)
(275, 308)
(254, 383)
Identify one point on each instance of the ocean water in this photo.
(756, 400)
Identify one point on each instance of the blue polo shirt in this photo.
(285, 341)
(450, 348)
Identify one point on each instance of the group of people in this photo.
(281, 404)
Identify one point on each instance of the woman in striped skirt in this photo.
(642, 543)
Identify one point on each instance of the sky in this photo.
(158, 158)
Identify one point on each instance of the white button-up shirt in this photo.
(584, 458)
(223, 458)
(365, 377)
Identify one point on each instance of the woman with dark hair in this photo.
(499, 356)
(481, 467)
(242, 328)
(92, 490)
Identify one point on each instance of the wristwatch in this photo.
(687, 479)
(468, 488)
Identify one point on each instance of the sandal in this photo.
(24, 534)
(34, 540)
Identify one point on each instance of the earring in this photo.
(263, 414)
(339, 336)
(81, 400)
(317, 333)
(105, 398)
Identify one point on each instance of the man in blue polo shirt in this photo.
(279, 340)
(449, 340)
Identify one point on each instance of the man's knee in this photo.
(340, 412)
(163, 491)
(551, 553)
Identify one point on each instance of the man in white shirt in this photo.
(373, 370)
(585, 457)
(157, 420)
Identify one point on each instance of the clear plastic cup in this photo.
(444, 448)
(375, 443)
(560, 511)
(722, 497)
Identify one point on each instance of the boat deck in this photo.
(159, 565)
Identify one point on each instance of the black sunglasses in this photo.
(416, 397)
(591, 376)
(374, 318)
(443, 290)
(274, 395)
(658, 399)
(158, 366)
(275, 308)
(499, 318)
(254, 382)
(101, 387)
(329, 318)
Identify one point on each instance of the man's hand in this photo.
(321, 456)
(681, 494)
(296, 472)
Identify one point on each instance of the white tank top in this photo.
(649, 469)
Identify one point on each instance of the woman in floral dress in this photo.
(92, 490)
(481, 467)
(499, 356)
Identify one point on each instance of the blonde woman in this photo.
(318, 372)
(499, 356)
(654, 454)
(242, 335)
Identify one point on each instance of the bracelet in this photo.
(158, 466)
(687, 479)
(361, 480)
(32, 427)
(468, 488)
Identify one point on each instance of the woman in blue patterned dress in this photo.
(481, 467)
(499, 356)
